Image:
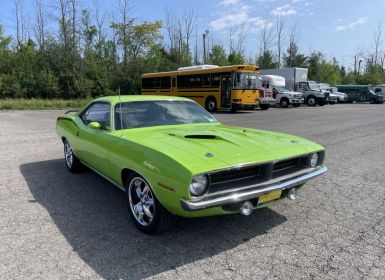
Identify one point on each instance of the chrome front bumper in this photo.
(267, 100)
(250, 193)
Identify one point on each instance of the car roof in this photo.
(127, 98)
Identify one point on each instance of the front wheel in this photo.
(284, 103)
(372, 101)
(264, 106)
(72, 162)
(146, 212)
(311, 101)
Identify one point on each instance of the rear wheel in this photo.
(72, 162)
(211, 104)
(146, 212)
(264, 106)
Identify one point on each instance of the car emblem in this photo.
(209, 154)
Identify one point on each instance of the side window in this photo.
(173, 82)
(377, 90)
(148, 82)
(215, 80)
(97, 112)
(166, 82)
(206, 80)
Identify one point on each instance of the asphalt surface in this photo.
(57, 225)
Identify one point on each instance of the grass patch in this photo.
(40, 104)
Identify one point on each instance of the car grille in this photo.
(255, 174)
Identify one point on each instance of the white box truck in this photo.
(296, 80)
(282, 95)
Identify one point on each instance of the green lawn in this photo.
(38, 104)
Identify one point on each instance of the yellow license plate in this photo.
(270, 196)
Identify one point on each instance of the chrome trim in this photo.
(250, 193)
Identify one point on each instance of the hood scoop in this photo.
(201, 136)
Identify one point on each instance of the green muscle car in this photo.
(172, 158)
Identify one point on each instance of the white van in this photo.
(283, 96)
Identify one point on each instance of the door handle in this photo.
(77, 133)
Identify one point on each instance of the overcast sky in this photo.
(335, 27)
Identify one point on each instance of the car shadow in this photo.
(92, 216)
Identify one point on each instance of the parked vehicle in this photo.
(296, 80)
(172, 158)
(283, 96)
(361, 93)
(213, 87)
(341, 97)
(332, 98)
(380, 89)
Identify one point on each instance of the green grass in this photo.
(41, 104)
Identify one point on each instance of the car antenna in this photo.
(121, 112)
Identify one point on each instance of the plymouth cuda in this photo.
(172, 158)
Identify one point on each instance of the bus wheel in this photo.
(211, 104)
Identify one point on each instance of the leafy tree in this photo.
(217, 56)
(293, 58)
(266, 60)
(235, 58)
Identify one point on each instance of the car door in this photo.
(95, 142)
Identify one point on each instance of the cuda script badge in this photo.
(160, 152)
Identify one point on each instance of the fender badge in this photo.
(209, 154)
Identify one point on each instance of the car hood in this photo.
(201, 148)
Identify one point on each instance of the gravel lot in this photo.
(56, 225)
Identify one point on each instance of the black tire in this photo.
(161, 219)
(284, 103)
(264, 106)
(211, 104)
(311, 101)
(296, 104)
(372, 101)
(72, 162)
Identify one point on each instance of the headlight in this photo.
(314, 160)
(198, 184)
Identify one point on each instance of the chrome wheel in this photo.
(141, 201)
(68, 154)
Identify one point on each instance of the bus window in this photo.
(215, 80)
(157, 82)
(165, 82)
(173, 82)
(206, 80)
(148, 82)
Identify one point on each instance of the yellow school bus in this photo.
(213, 87)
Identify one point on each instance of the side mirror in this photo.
(94, 125)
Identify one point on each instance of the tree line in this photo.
(92, 54)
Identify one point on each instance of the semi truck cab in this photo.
(312, 93)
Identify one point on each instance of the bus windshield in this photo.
(244, 80)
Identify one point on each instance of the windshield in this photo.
(137, 114)
(334, 89)
(246, 80)
(282, 89)
(374, 93)
(314, 86)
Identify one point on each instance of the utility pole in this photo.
(205, 34)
